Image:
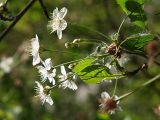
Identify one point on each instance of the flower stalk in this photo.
(139, 88)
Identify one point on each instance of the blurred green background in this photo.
(17, 101)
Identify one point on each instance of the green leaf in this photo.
(93, 73)
(83, 64)
(133, 6)
(135, 11)
(137, 42)
(139, 19)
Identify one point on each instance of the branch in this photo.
(8, 18)
(140, 87)
(17, 18)
(44, 9)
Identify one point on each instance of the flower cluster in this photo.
(48, 73)
(43, 93)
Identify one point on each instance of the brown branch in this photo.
(44, 9)
(6, 18)
(17, 18)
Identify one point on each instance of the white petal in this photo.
(62, 13)
(59, 33)
(63, 71)
(73, 86)
(105, 95)
(74, 77)
(61, 77)
(69, 84)
(43, 73)
(35, 50)
(36, 59)
(39, 86)
(53, 25)
(42, 98)
(35, 45)
(53, 73)
(64, 84)
(49, 100)
(51, 79)
(48, 63)
(55, 13)
(36, 37)
(62, 25)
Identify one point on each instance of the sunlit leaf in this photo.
(90, 73)
(135, 11)
(83, 64)
(136, 43)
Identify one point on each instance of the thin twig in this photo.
(121, 24)
(140, 87)
(90, 29)
(44, 9)
(115, 87)
(17, 18)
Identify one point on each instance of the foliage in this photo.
(136, 43)
(135, 10)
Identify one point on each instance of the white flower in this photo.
(57, 23)
(44, 71)
(43, 93)
(66, 79)
(109, 104)
(35, 51)
(6, 64)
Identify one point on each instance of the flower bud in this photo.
(71, 66)
(76, 41)
(68, 45)
(112, 50)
